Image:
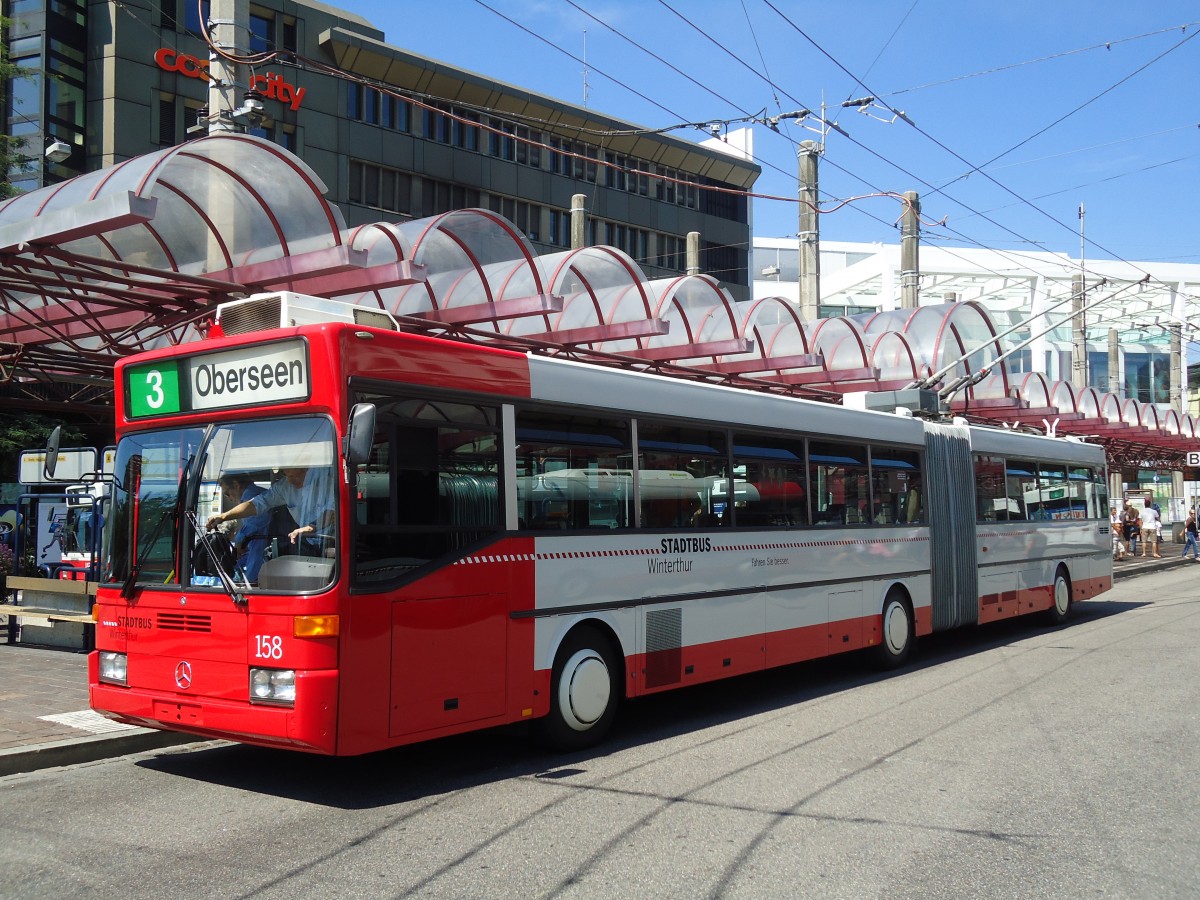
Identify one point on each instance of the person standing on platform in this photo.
(1150, 533)
(1118, 534)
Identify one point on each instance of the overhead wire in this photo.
(1107, 45)
(260, 58)
(940, 144)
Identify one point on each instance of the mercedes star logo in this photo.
(183, 675)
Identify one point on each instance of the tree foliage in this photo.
(28, 431)
(13, 158)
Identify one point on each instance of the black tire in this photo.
(1060, 598)
(898, 633)
(585, 689)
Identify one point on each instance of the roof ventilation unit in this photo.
(285, 309)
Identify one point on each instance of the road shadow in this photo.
(448, 765)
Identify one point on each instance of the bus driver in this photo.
(308, 495)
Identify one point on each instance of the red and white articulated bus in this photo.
(511, 537)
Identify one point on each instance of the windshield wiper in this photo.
(173, 513)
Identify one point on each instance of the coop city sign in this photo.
(271, 85)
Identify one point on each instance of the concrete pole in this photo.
(1114, 362)
(1177, 376)
(1176, 331)
(809, 232)
(1116, 488)
(693, 253)
(229, 27)
(910, 243)
(1079, 361)
(578, 221)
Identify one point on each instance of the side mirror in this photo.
(360, 433)
(52, 443)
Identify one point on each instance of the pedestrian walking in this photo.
(1190, 536)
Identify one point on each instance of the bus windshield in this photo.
(247, 504)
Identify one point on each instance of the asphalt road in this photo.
(1013, 761)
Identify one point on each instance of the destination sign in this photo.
(246, 376)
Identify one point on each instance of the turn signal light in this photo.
(314, 626)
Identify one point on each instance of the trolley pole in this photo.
(809, 233)
(910, 243)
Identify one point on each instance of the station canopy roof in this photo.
(138, 256)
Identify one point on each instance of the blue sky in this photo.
(1021, 111)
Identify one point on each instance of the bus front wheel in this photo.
(897, 631)
(584, 690)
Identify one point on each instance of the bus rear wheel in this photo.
(584, 691)
(897, 629)
(1060, 598)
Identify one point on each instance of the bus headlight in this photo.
(273, 686)
(114, 668)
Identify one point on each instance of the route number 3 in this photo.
(270, 646)
(154, 389)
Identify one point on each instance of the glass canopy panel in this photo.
(592, 268)
(893, 357)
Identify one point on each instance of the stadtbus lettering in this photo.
(215, 381)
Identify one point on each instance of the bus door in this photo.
(427, 496)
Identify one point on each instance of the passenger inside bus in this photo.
(250, 538)
(307, 493)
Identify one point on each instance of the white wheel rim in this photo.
(895, 627)
(1062, 596)
(585, 690)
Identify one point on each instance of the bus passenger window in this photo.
(769, 472)
(1021, 487)
(569, 472)
(991, 504)
(896, 487)
(678, 469)
(838, 475)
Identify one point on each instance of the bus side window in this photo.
(572, 471)
(771, 475)
(838, 475)
(1021, 481)
(896, 487)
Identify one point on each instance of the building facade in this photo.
(397, 136)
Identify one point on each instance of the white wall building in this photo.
(1125, 308)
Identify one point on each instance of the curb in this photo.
(1133, 569)
(71, 751)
